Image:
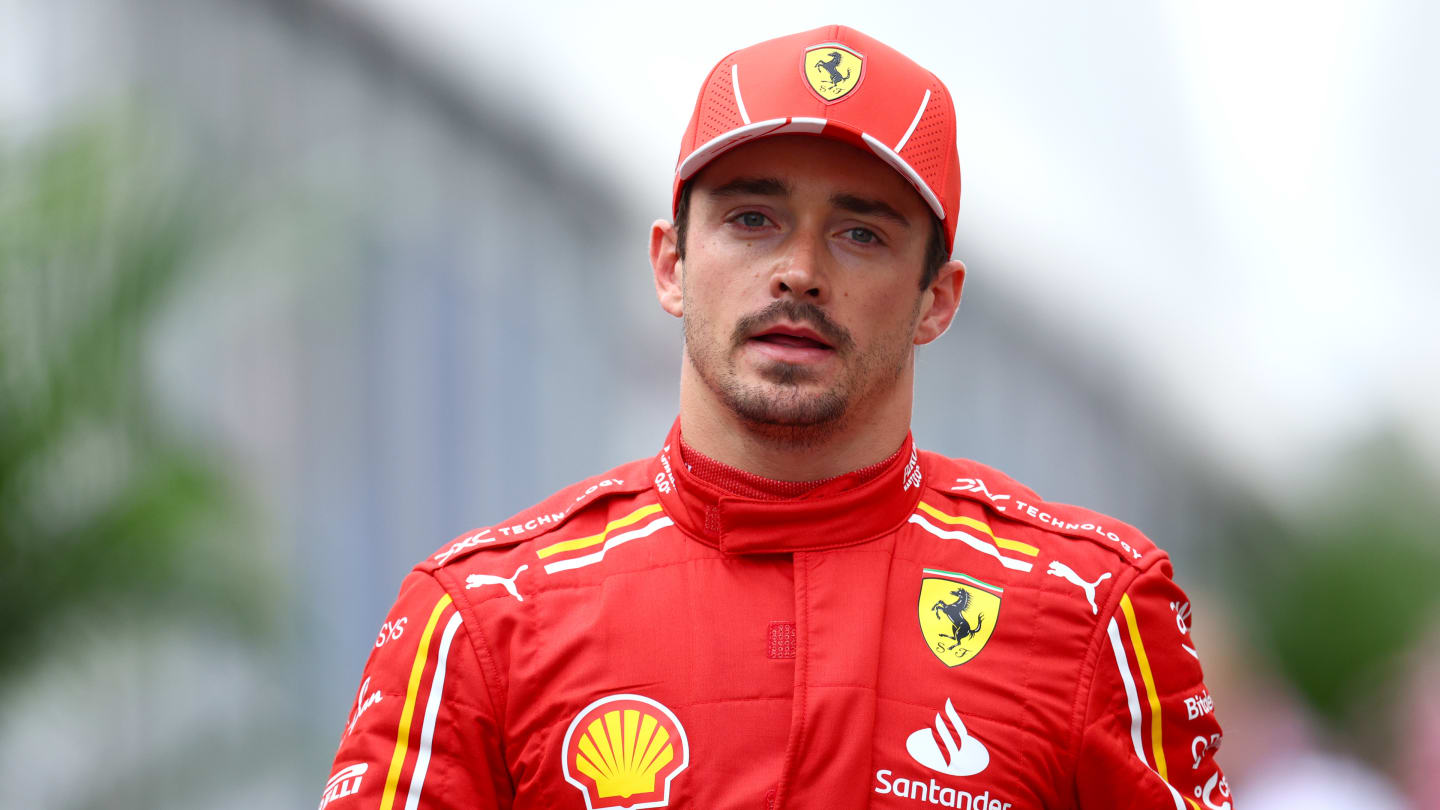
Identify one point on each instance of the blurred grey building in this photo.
(427, 313)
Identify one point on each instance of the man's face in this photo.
(801, 281)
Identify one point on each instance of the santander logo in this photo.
(948, 748)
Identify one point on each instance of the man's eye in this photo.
(752, 219)
(864, 236)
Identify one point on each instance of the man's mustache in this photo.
(797, 312)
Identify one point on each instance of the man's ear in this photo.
(942, 298)
(668, 267)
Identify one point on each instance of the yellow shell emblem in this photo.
(832, 70)
(957, 614)
(622, 751)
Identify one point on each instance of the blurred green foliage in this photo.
(104, 506)
(1339, 594)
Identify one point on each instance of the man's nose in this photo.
(799, 272)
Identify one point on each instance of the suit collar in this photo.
(839, 513)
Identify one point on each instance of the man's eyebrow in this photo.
(763, 186)
(865, 205)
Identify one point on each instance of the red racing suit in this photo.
(936, 635)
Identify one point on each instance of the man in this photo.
(791, 605)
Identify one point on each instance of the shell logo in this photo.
(622, 751)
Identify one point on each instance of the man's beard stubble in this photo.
(779, 410)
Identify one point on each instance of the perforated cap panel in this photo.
(718, 113)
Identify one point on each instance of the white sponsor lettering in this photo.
(481, 580)
(533, 524)
(1063, 525)
(963, 755)
(593, 488)
(1067, 573)
(1202, 747)
(1182, 616)
(555, 517)
(390, 631)
(344, 782)
(886, 783)
(1182, 623)
(665, 479)
(977, 486)
(1199, 705)
(912, 477)
(1207, 795)
(469, 542)
(362, 703)
(590, 490)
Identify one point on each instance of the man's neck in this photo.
(858, 441)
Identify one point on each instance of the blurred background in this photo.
(294, 291)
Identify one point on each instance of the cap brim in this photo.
(723, 143)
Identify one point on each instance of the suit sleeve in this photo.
(1150, 735)
(421, 732)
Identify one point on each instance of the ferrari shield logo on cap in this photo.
(622, 751)
(957, 614)
(832, 70)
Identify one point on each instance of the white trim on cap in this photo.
(898, 163)
(808, 126)
(722, 143)
(740, 102)
(904, 139)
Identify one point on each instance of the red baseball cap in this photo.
(837, 83)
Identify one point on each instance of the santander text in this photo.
(887, 783)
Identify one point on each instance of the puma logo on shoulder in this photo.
(1067, 573)
(481, 580)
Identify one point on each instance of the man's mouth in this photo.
(798, 336)
(793, 345)
(793, 332)
(796, 341)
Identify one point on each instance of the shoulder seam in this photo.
(544, 523)
(496, 691)
(1094, 530)
(1085, 685)
(575, 507)
(1090, 668)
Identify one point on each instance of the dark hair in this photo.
(935, 253)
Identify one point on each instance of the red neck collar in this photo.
(738, 483)
(841, 511)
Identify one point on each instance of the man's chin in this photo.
(788, 377)
(787, 406)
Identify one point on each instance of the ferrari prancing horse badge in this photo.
(957, 614)
(832, 70)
